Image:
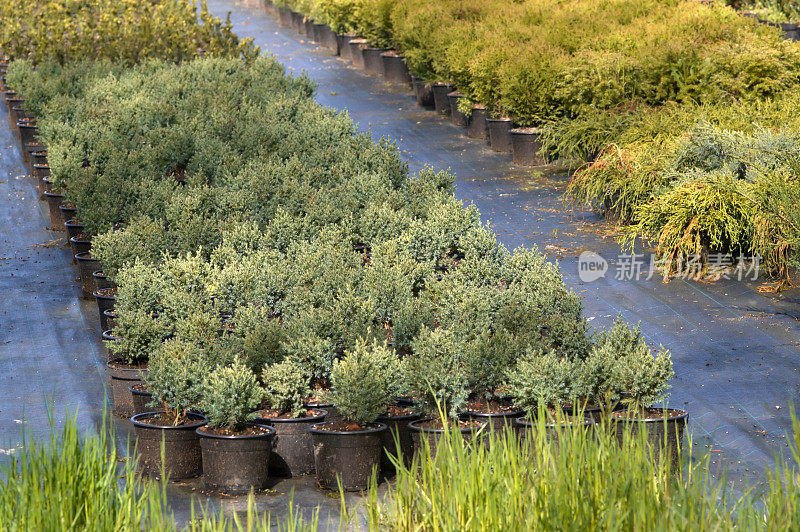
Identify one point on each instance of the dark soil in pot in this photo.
(293, 454)
(457, 117)
(331, 411)
(330, 40)
(477, 123)
(495, 415)
(53, 202)
(397, 433)
(422, 91)
(373, 62)
(344, 46)
(102, 281)
(182, 454)
(526, 144)
(431, 430)
(284, 17)
(440, 100)
(86, 266)
(236, 462)
(106, 298)
(123, 376)
(658, 427)
(395, 69)
(346, 455)
(141, 397)
(357, 47)
(500, 134)
(74, 228)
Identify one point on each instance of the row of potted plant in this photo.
(374, 255)
(317, 241)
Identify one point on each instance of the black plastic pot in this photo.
(182, 454)
(500, 134)
(357, 47)
(526, 144)
(457, 117)
(122, 378)
(373, 62)
(477, 123)
(284, 17)
(39, 157)
(293, 454)
(344, 46)
(74, 228)
(395, 69)
(526, 427)
(86, 266)
(236, 464)
(670, 427)
(421, 434)
(396, 428)
(53, 202)
(108, 336)
(440, 100)
(102, 281)
(111, 318)
(27, 132)
(308, 25)
(16, 115)
(331, 411)
(318, 31)
(330, 40)
(79, 246)
(41, 172)
(593, 412)
(298, 22)
(104, 302)
(423, 91)
(789, 30)
(140, 399)
(346, 458)
(68, 212)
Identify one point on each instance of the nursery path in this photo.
(735, 350)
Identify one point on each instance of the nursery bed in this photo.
(735, 350)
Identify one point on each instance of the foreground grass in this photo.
(585, 480)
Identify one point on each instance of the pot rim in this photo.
(414, 425)
(295, 419)
(512, 413)
(679, 415)
(84, 258)
(41, 165)
(526, 131)
(525, 422)
(111, 365)
(108, 312)
(499, 119)
(100, 272)
(139, 392)
(72, 223)
(401, 418)
(136, 423)
(97, 294)
(74, 238)
(108, 335)
(380, 427)
(269, 434)
(53, 194)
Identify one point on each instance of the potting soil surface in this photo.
(735, 349)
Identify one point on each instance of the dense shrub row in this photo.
(258, 236)
(630, 83)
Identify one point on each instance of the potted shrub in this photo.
(285, 388)
(235, 451)
(436, 376)
(176, 372)
(644, 380)
(540, 382)
(347, 452)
